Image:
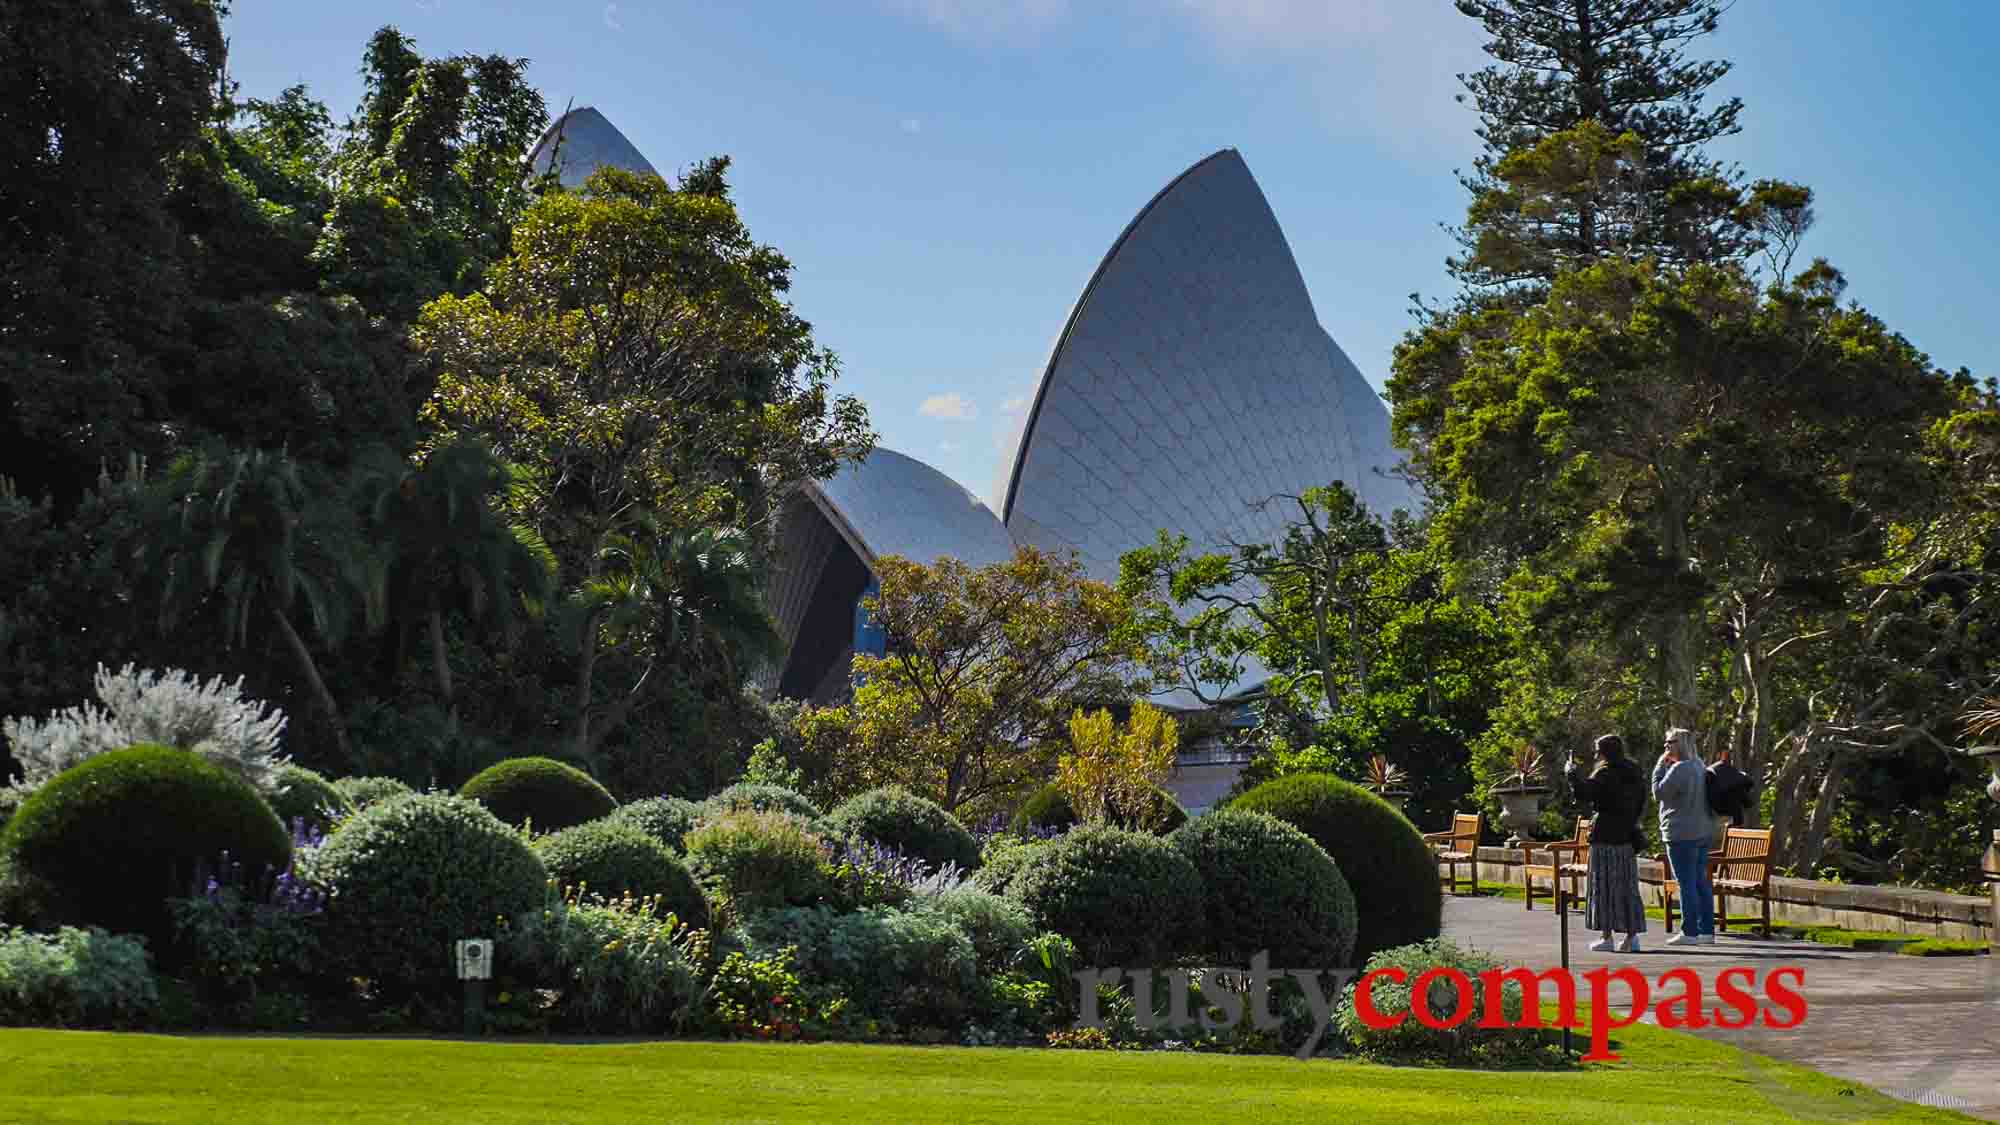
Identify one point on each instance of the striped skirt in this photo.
(1614, 905)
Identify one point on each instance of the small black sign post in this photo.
(1562, 932)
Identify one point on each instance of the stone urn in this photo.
(1991, 756)
(1520, 810)
(1395, 797)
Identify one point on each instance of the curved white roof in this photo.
(589, 142)
(1192, 381)
(893, 504)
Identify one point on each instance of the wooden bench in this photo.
(1568, 859)
(1459, 844)
(1742, 868)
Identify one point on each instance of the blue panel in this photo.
(869, 637)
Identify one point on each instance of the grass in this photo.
(61, 1076)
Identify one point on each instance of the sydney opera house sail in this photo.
(1193, 382)
(579, 143)
(830, 534)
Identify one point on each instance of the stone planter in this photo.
(1395, 797)
(1520, 810)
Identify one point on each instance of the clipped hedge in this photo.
(761, 798)
(1049, 810)
(1124, 897)
(1387, 864)
(666, 819)
(543, 792)
(108, 841)
(1267, 887)
(897, 818)
(364, 791)
(305, 795)
(612, 859)
(411, 876)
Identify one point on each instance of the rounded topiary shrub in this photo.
(760, 860)
(305, 795)
(364, 791)
(539, 791)
(611, 859)
(1268, 888)
(666, 819)
(1002, 862)
(409, 877)
(897, 818)
(108, 841)
(762, 798)
(1123, 897)
(1387, 864)
(1048, 810)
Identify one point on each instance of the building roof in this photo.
(588, 141)
(1191, 383)
(894, 504)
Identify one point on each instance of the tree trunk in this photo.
(313, 680)
(1811, 844)
(586, 667)
(438, 662)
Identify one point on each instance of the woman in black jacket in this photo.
(1617, 791)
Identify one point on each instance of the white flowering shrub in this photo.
(171, 708)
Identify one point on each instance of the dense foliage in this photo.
(362, 792)
(1049, 810)
(1266, 887)
(548, 794)
(74, 978)
(1384, 858)
(107, 842)
(759, 860)
(666, 819)
(1410, 1040)
(619, 860)
(970, 704)
(409, 877)
(762, 798)
(896, 818)
(306, 796)
(1124, 898)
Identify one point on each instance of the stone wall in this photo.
(1854, 906)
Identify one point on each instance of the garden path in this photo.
(1923, 1029)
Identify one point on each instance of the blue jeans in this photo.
(1689, 859)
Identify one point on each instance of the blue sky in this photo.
(945, 174)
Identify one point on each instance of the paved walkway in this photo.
(1924, 1029)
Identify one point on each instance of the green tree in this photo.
(100, 96)
(253, 536)
(970, 705)
(668, 598)
(445, 547)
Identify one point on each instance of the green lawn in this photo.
(56, 1076)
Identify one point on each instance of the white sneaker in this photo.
(1684, 939)
(1601, 945)
(1706, 939)
(1631, 945)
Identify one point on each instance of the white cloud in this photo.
(611, 18)
(1014, 405)
(951, 406)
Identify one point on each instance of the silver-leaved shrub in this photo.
(171, 708)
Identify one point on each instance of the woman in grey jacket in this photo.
(1680, 784)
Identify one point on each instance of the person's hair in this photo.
(1610, 748)
(1684, 744)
